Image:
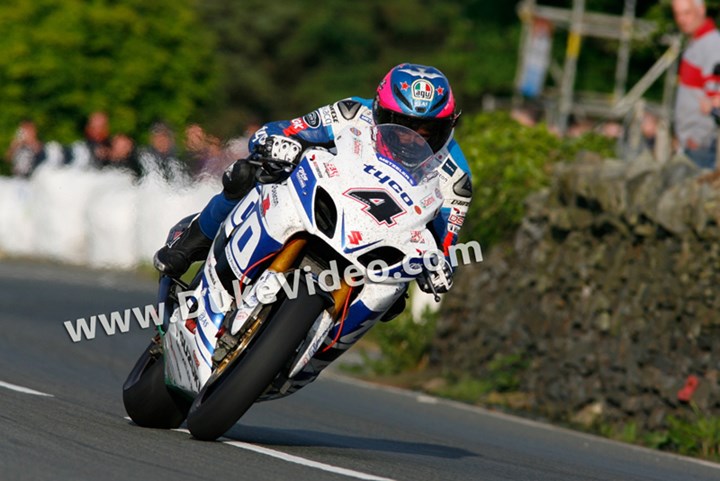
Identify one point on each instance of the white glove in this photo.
(438, 279)
(279, 147)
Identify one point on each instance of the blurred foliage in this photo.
(696, 434)
(139, 61)
(283, 60)
(508, 161)
(699, 435)
(404, 343)
(225, 64)
(500, 375)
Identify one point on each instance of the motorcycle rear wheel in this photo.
(147, 399)
(225, 398)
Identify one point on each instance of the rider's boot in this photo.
(191, 245)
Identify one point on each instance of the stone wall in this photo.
(605, 304)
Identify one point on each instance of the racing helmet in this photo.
(418, 97)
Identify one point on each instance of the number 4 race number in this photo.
(379, 204)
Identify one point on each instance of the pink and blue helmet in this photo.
(420, 98)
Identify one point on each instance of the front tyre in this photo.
(224, 399)
(146, 397)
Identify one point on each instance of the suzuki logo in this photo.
(354, 237)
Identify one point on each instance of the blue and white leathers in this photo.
(357, 204)
(320, 127)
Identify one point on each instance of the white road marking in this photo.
(25, 390)
(518, 420)
(298, 460)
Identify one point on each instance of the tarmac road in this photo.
(62, 418)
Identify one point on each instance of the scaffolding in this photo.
(620, 104)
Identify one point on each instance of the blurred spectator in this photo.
(237, 148)
(577, 127)
(161, 155)
(524, 116)
(204, 151)
(94, 150)
(611, 130)
(122, 154)
(649, 129)
(26, 151)
(697, 82)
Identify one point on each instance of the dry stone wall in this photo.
(606, 305)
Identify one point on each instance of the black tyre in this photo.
(148, 401)
(224, 399)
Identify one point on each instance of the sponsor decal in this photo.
(274, 195)
(423, 90)
(191, 325)
(438, 194)
(431, 175)
(296, 126)
(416, 237)
(366, 118)
(240, 318)
(463, 203)
(329, 116)
(354, 237)
(312, 119)
(260, 137)
(188, 357)
(204, 320)
(386, 179)
(302, 177)
(456, 217)
(357, 147)
(449, 167)
(394, 166)
(355, 132)
(418, 210)
(428, 201)
(404, 85)
(265, 204)
(330, 169)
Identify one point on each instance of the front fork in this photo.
(287, 257)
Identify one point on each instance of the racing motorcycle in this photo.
(298, 272)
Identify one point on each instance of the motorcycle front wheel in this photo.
(226, 397)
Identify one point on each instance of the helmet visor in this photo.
(436, 131)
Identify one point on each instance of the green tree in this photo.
(280, 61)
(137, 60)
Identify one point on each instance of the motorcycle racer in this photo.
(415, 96)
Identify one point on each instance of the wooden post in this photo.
(526, 13)
(570, 67)
(623, 60)
(663, 137)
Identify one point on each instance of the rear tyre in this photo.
(148, 401)
(223, 400)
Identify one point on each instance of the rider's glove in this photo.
(279, 147)
(438, 279)
(278, 154)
